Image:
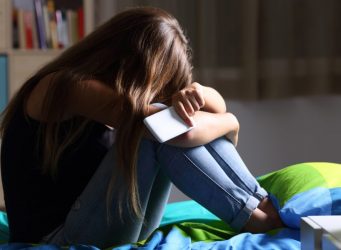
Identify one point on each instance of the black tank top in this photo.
(36, 204)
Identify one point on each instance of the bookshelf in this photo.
(23, 48)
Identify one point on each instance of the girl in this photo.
(70, 178)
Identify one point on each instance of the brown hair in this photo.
(142, 54)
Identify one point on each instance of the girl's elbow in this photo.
(189, 136)
(186, 140)
(195, 137)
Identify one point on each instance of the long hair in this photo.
(143, 55)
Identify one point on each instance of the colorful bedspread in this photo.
(298, 190)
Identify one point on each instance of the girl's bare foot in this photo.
(267, 207)
(264, 218)
(259, 222)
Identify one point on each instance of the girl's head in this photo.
(142, 52)
(151, 51)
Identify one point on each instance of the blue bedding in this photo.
(201, 232)
(299, 190)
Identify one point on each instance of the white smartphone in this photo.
(166, 124)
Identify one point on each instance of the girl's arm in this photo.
(204, 107)
(209, 126)
(91, 99)
(99, 102)
(96, 101)
(214, 102)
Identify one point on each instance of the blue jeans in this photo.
(214, 175)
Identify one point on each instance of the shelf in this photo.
(22, 63)
(34, 52)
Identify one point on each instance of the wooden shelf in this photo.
(22, 63)
(34, 52)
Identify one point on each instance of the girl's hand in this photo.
(189, 100)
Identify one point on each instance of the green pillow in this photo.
(298, 178)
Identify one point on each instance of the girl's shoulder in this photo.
(91, 99)
(35, 101)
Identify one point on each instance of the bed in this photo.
(304, 189)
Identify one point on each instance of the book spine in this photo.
(80, 21)
(3, 82)
(28, 27)
(46, 24)
(15, 29)
(21, 29)
(52, 23)
(39, 15)
(59, 22)
(75, 37)
(34, 32)
(69, 20)
(62, 29)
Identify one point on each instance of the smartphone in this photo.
(166, 124)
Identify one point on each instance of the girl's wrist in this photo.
(155, 107)
(232, 135)
(214, 102)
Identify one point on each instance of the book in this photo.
(21, 29)
(34, 32)
(39, 15)
(15, 29)
(72, 21)
(80, 20)
(3, 82)
(52, 23)
(62, 29)
(47, 29)
(28, 29)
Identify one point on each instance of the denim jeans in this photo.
(214, 175)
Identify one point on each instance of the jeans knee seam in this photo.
(252, 191)
(197, 168)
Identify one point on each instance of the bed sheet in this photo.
(196, 230)
(299, 190)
